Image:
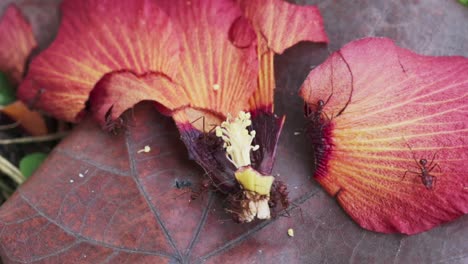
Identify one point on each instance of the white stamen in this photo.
(237, 139)
(263, 210)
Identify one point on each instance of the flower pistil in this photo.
(255, 186)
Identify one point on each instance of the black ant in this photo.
(318, 116)
(427, 179)
(182, 184)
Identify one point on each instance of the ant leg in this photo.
(307, 111)
(408, 171)
(204, 124)
(201, 117)
(179, 195)
(412, 153)
(435, 165)
(212, 128)
(300, 210)
(433, 157)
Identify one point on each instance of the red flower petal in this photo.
(389, 108)
(279, 25)
(283, 24)
(123, 90)
(96, 38)
(218, 67)
(263, 98)
(16, 43)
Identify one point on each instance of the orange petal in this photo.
(31, 121)
(96, 38)
(263, 98)
(16, 43)
(218, 68)
(121, 91)
(279, 25)
(388, 109)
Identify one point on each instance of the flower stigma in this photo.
(256, 187)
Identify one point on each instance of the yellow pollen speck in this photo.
(290, 232)
(146, 149)
(216, 87)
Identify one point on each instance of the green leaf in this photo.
(31, 162)
(7, 93)
(463, 2)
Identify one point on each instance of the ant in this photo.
(204, 187)
(319, 116)
(427, 179)
(182, 184)
(113, 126)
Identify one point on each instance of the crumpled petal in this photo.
(387, 109)
(16, 43)
(97, 37)
(279, 25)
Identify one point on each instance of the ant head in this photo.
(320, 103)
(423, 162)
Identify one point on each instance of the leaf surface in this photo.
(126, 209)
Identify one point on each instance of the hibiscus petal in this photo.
(263, 98)
(390, 108)
(218, 69)
(16, 43)
(279, 25)
(122, 90)
(284, 24)
(96, 38)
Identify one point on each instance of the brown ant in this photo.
(204, 187)
(427, 179)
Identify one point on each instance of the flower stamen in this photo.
(237, 139)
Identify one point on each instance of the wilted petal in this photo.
(96, 38)
(16, 43)
(388, 108)
(279, 25)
